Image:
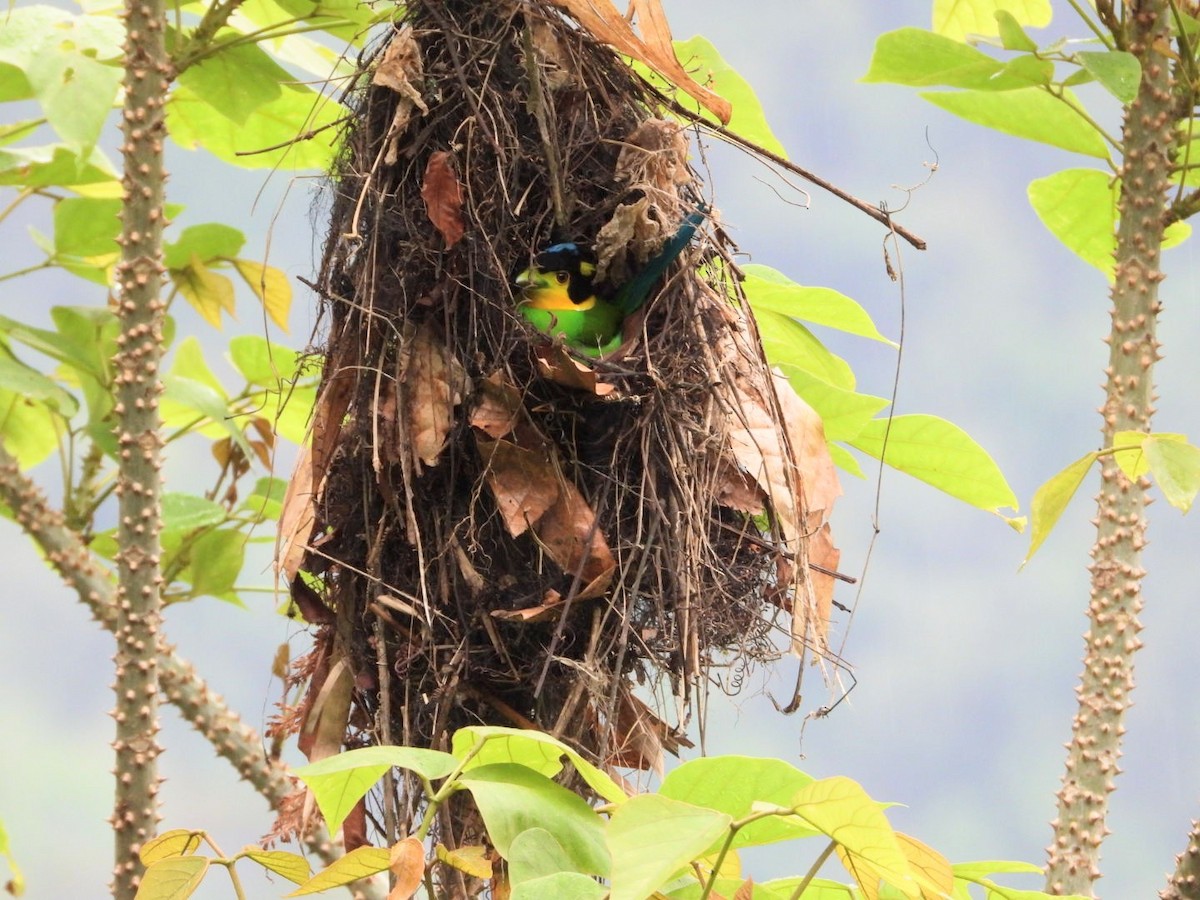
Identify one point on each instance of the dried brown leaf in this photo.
(822, 552)
(545, 611)
(297, 517)
(523, 482)
(557, 365)
(653, 47)
(433, 384)
(401, 70)
(498, 408)
(471, 859)
(407, 865)
(640, 736)
(572, 537)
(443, 197)
(818, 473)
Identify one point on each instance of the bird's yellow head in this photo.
(560, 278)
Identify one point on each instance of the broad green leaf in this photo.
(263, 362)
(28, 428)
(29, 382)
(472, 859)
(265, 502)
(920, 58)
(841, 809)
(652, 837)
(843, 413)
(1029, 113)
(844, 460)
(208, 242)
(189, 362)
(733, 784)
(1079, 207)
(273, 136)
(270, 286)
(940, 454)
(513, 798)
(1051, 499)
(292, 420)
(362, 862)
(85, 236)
(533, 749)
(1027, 70)
(216, 562)
(561, 886)
(76, 91)
(791, 347)
(187, 512)
(339, 782)
(769, 289)
(205, 290)
(175, 878)
(959, 18)
(344, 19)
(1175, 466)
(235, 81)
(55, 165)
(189, 404)
(1012, 35)
(818, 889)
(291, 866)
(535, 854)
(177, 842)
(1118, 71)
(748, 119)
(1127, 452)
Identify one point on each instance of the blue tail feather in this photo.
(634, 294)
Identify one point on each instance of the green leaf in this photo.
(85, 236)
(1051, 499)
(733, 785)
(235, 81)
(940, 454)
(273, 136)
(1079, 207)
(533, 749)
(748, 119)
(652, 837)
(339, 782)
(270, 286)
(1029, 113)
(1175, 466)
(265, 502)
(513, 798)
(1127, 452)
(920, 58)
(843, 413)
(28, 428)
(984, 868)
(535, 854)
(362, 862)
(57, 165)
(172, 879)
(560, 886)
(841, 809)
(291, 866)
(958, 18)
(845, 461)
(29, 382)
(76, 91)
(1027, 70)
(769, 289)
(170, 844)
(263, 362)
(1012, 35)
(791, 347)
(217, 558)
(1118, 71)
(187, 512)
(208, 242)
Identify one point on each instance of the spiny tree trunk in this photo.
(140, 309)
(1116, 569)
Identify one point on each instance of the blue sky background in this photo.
(965, 667)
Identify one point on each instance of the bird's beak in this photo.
(530, 282)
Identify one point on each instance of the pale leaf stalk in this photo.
(1116, 569)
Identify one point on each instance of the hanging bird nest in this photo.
(488, 528)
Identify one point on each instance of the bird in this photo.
(558, 296)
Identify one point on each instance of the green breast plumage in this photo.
(591, 331)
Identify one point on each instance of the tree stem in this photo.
(1116, 570)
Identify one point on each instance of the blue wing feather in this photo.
(634, 294)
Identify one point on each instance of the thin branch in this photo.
(874, 212)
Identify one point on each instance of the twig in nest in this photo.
(537, 106)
